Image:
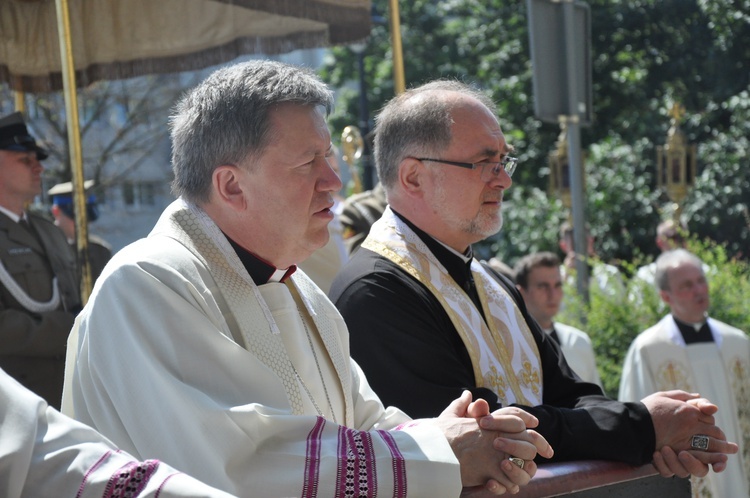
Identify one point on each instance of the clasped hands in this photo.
(677, 417)
(483, 442)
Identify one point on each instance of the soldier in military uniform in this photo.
(39, 294)
(99, 249)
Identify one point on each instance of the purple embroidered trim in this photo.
(90, 471)
(367, 471)
(341, 452)
(400, 427)
(356, 475)
(312, 461)
(399, 465)
(130, 479)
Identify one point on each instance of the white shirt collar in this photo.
(464, 257)
(13, 216)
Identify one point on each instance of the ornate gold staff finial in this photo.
(676, 162)
(352, 146)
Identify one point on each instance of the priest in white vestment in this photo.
(690, 351)
(203, 347)
(44, 453)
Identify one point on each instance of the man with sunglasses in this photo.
(38, 286)
(427, 320)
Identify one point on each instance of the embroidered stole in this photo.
(503, 352)
(248, 317)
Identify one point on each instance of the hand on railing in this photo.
(681, 422)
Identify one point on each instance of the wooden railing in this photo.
(594, 478)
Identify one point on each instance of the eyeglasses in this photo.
(489, 169)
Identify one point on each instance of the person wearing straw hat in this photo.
(39, 294)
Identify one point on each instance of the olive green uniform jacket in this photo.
(32, 344)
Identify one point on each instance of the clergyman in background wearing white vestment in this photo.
(203, 347)
(689, 350)
(539, 280)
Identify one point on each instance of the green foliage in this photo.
(615, 177)
(531, 222)
(717, 206)
(729, 281)
(612, 323)
(621, 206)
(646, 55)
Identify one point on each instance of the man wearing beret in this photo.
(38, 286)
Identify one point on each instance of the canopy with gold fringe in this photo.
(48, 45)
(117, 39)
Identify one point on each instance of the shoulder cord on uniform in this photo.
(24, 299)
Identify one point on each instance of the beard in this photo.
(487, 222)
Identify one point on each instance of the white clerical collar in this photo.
(694, 325)
(278, 275)
(465, 258)
(10, 214)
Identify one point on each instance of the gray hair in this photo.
(410, 126)
(671, 259)
(225, 119)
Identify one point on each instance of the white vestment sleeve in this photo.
(155, 368)
(44, 453)
(579, 352)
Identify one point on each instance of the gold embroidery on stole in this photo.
(500, 383)
(500, 334)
